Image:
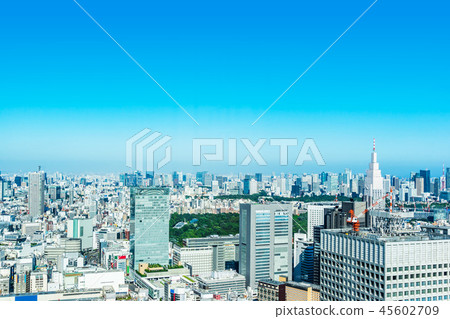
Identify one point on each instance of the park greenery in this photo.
(305, 199)
(216, 224)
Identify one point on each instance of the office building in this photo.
(303, 266)
(36, 185)
(316, 213)
(265, 242)
(223, 283)
(372, 266)
(225, 250)
(149, 225)
(81, 228)
(425, 174)
(199, 260)
(420, 188)
(447, 178)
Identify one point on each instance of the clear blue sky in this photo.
(70, 98)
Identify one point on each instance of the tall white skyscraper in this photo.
(36, 183)
(373, 188)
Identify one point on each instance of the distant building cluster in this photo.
(363, 237)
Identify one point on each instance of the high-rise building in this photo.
(420, 186)
(367, 265)
(55, 192)
(81, 228)
(373, 188)
(315, 217)
(36, 185)
(149, 225)
(425, 174)
(447, 178)
(265, 242)
(303, 268)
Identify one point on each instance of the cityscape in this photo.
(202, 237)
(240, 158)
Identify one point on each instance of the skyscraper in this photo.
(374, 266)
(373, 188)
(425, 174)
(36, 184)
(149, 225)
(316, 213)
(419, 186)
(447, 178)
(265, 242)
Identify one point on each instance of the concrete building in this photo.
(420, 186)
(303, 266)
(223, 283)
(372, 266)
(225, 250)
(316, 214)
(265, 242)
(302, 291)
(81, 228)
(199, 260)
(36, 189)
(149, 225)
(271, 290)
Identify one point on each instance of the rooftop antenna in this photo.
(374, 144)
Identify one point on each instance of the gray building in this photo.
(413, 266)
(225, 250)
(149, 225)
(36, 184)
(265, 242)
(223, 283)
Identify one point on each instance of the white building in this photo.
(223, 283)
(81, 228)
(200, 259)
(316, 217)
(373, 188)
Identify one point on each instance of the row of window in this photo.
(417, 292)
(418, 283)
(418, 275)
(417, 267)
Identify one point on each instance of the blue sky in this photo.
(70, 98)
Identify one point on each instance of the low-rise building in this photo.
(302, 291)
(271, 290)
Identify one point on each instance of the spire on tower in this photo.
(374, 144)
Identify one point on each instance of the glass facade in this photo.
(149, 223)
